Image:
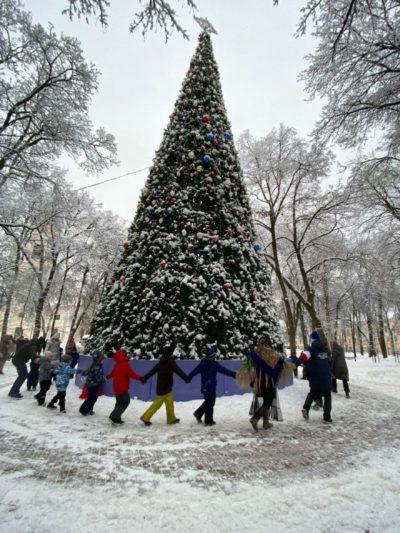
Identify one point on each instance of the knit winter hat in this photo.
(314, 336)
(209, 351)
(96, 355)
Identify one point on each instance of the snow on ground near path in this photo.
(70, 473)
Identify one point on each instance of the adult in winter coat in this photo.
(208, 369)
(7, 345)
(53, 346)
(26, 352)
(71, 350)
(165, 369)
(46, 368)
(94, 380)
(121, 374)
(63, 374)
(268, 366)
(339, 368)
(317, 361)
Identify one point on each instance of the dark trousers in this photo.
(44, 387)
(22, 375)
(207, 408)
(268, 396)
(60, 398)
(346, 387)
(88, 404)
(121, 403)
(33, 376)
(314, 395)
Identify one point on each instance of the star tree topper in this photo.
(205, 24)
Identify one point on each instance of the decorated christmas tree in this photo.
(191, 271)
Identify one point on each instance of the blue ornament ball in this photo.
(206, 159)
(257, 247)
(206, 252)
(209, 136)
(227, 136)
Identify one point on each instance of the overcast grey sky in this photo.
(259, 61)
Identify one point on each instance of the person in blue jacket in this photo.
(208, 368)
(62, 377)
(95, 378)
(317, 360)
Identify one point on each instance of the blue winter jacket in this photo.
(63, 372)
(318, 364)
(95, 375)
(208, 369)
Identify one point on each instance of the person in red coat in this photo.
(121, 374)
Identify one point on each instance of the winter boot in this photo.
(197, 417)
(51, 406)
(266, 423)
(347, 394)
(328, 419)
(145, 422)
(304, 412)
(254, 423)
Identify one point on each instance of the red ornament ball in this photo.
(125, 245)
(189, 268)
(231, 262)
(227, 286)
(205, 119)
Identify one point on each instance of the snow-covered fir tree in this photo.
(191, 271)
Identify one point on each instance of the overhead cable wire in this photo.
(112, 179)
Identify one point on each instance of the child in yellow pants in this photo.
(165, 369)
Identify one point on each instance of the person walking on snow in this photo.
(165, 369)
(208, 369)
(317, 361)
(7, 345)
(53, 346)
(121, 374)
(46, 368)
(95, 378)
(339, 368)
(26, 352)
(62, 373)
(267, 365)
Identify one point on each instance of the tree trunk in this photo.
(327, 303)
(381, 328)
(353, 335)
(74, 326)
(60, 295)
(371, 341)
(391, 336)
(42, 298)
(10, 294)
(303, 327)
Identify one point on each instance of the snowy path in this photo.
(59, 455)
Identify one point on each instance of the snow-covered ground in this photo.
(69, 473)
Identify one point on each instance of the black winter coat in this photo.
(339, 365)
(26, 352)
(165, 369)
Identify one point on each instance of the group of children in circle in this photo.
(265, 368)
